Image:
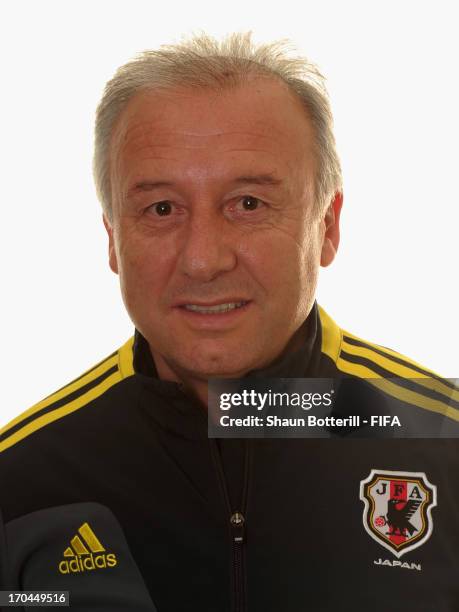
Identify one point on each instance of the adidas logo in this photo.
(85, 553)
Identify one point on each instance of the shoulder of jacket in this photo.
(76, 395)
(393, 373)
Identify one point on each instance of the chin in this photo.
(217, 366)
(219, 370)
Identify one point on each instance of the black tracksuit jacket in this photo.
(120, 437)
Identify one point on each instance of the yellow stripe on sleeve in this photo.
(392, 353)
(78, 384)
(54, 415)
(405, 395)
(402, 371)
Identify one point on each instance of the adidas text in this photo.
(87, 563)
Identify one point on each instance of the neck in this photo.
(194, 385)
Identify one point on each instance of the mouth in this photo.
(217, 309)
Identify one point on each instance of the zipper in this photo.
(237, 521)
(237, 527)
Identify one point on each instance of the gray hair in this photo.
(203, 62)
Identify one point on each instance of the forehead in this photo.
(210, 131)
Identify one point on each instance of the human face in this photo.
(214, 232)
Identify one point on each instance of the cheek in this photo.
(278, 262)
(290, 270)
(143, 268)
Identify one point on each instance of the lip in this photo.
(213, 321)
(209, 304)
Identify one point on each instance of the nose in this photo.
(207, 249)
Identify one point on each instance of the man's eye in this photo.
(162, 208)
(250, 203)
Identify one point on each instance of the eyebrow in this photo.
(257, 179)
(148, 186)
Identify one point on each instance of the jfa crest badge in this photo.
(398, 509)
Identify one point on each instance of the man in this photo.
(221, 188)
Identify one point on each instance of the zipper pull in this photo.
(237, 521)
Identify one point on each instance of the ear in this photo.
(331, 237)
(113, 262)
